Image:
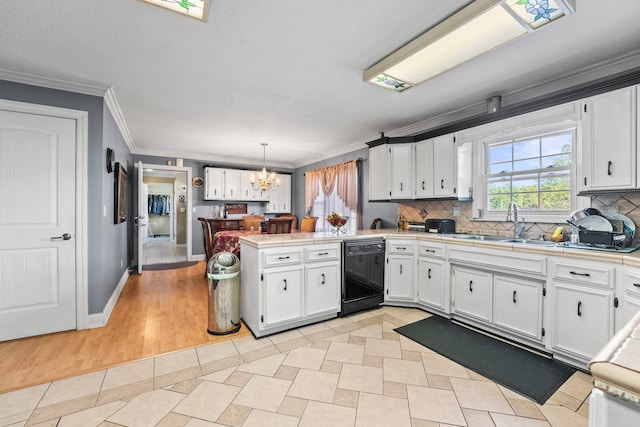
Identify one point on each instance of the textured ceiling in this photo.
(285, 72)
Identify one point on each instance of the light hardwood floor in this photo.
(157, 312)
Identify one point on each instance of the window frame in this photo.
(481, 178)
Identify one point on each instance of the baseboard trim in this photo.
(100, 320)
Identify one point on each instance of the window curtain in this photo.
(343, 178)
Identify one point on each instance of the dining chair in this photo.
(279, 226)
(207, 239)
(374, 223)
(308, 223)
(293, 218)
(249, 221)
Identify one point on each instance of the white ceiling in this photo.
(285, 72)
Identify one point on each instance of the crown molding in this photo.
(118, 117)
(86, 88)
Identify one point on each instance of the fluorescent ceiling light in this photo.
(476, 29)
(198, 9)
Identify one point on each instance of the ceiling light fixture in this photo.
(476, 29)
(198, 9)
(266, 180)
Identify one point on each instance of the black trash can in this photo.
(223, 271)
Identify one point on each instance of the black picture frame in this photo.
(120, 194)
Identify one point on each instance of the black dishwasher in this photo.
(362, 274)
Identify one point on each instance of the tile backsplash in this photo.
(627, 204)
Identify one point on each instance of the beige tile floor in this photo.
(353, 371)
(160, 250)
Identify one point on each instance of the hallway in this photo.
(160, 250)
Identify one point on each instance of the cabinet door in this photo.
(400, 278)
(246, 189)
(424, 169)
(431, 284)
(444, 166)
(379, 172)
(609, 139)
(214, 183)
(401, 171)
(284, 196)
(231, 184)
(472, 293)
(282, 295)
(583, 319)
(517, 305)
(322, 289)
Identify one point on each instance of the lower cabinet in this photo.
(431, 283)
(517, 305)
(282, 295)
(583, 319)
(323, 289)
(472, 293)
(400, 274)
(288, 287)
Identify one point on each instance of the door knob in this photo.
(65, 236)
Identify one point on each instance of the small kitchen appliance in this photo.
(440, 225)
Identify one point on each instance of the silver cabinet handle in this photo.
(65, 236)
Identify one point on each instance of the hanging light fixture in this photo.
(266, 180)
(475, 29)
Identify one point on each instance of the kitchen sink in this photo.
(530, 242)
(478, 237)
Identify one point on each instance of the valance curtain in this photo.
(342, 177)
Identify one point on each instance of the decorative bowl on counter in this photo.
(337, 222)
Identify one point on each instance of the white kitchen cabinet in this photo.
(246, 189)
(609, 141)
(517, 305)
(424, 169)
(431, 283)
(583, 320)
(232, 184)
(322, 279)
(444, 166)
(288, 287)
(280, 196)
(583, 309)
(282, 295)
(632, 295)
(472, 293)
(379, 172)
(401, 175)
(214, 184)
(400, 271)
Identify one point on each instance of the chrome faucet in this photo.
(512, 214)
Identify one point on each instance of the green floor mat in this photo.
(522, 371)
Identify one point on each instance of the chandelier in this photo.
(266, 180)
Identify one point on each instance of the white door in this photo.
(37, 224)
(141, 214)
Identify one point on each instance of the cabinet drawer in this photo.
(599, 275)
(499, 259)
(322, 253)
(281, 257)
(433, 250)
(632, 280)
(400, 247)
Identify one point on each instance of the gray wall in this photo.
(107, 242)
(385, 210)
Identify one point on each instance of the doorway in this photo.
(164, 212)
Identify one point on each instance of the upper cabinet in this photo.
(609, 155)
(444, 166)
(379, 172)
(280, 197)
(235, 184)
(401, 171)
(418, 170)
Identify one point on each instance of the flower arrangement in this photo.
(336, 220)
